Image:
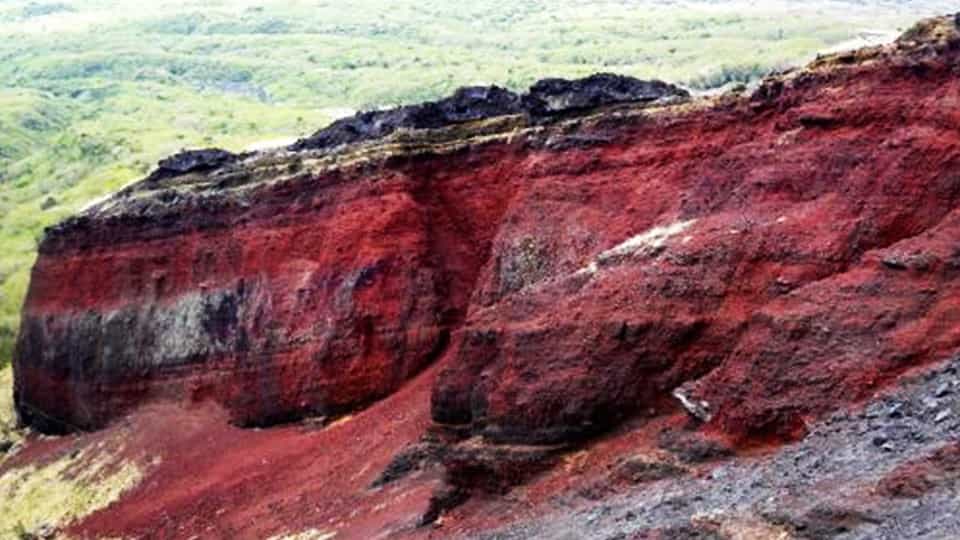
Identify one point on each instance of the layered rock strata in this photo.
(759, 259)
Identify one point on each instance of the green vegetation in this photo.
(45, 497)
(9, 436)
(93, 92)
(42, 497)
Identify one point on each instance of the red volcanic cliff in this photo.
(760, 260)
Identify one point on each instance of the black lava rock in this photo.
(547, 99)
(465, 105)
(188, 161)
(550, 97)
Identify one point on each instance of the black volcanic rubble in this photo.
(546, 100)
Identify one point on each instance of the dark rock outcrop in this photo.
(466, 104)
(546, 99)
(549, 97)
(192, 161)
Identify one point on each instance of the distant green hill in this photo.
(93, 92)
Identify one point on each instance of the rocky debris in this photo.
(192, 161)
(550, 97)
(413, 458)
(631, 471)
(694, 447)
(641, 469)
(546, 99)
(476, 465)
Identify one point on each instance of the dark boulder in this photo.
(188, 161)
(478, 102)
(549, 97)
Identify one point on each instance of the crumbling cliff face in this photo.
(595, 257)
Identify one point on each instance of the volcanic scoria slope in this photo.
(602, 309)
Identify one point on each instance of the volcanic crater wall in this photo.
(761, 257)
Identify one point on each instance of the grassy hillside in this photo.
(93, 92)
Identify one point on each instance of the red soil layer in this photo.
(792, 253)
(324, 303)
